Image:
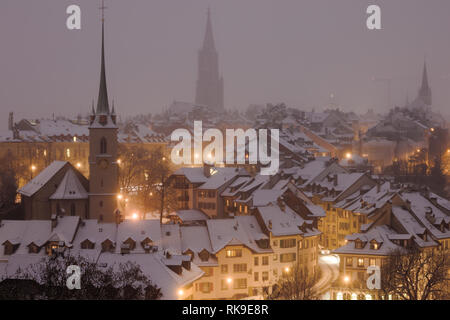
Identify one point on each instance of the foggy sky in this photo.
(292, 51)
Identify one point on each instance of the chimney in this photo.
(207, 170)
(54, 221)
(118, 216)
(335, 178)
(11, 121)
(270, 224)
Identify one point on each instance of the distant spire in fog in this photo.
(209, 90)
(425, 90)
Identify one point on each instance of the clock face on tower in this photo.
(103, 163)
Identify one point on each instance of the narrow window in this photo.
(103, 146)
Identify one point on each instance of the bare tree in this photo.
(415, 274)
(144, 175)
(8, 181)
(133, 162)
(296, 284)
(158, 193)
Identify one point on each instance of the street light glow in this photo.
(135, 216)
(120, 197)
(346, 279)
(286, 269)
(33, 168)
(180, 292)
(348, 155)
(78, 165)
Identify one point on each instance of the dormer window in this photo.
(131, 243)
(9, 248)
(190, 253)
(87, 244)
(107, 246)
(33, 248)
(374, 245)
(147, 244)
(204, 255)
(359, 244)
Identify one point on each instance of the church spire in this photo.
(102, 102)
(425, 76)
(208, 42)
(425, 90)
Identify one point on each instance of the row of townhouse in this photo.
(285, 215)
(408, 218)
(155, 248)
(330, 189)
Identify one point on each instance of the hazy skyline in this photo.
(292, 51)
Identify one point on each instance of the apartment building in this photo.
(413, 219)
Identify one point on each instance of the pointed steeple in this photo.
(425, 77)
(425, 90)
(102, 102)
(93, 109)
(208, 42)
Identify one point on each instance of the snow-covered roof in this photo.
(191, 215)
(139, 231)
(264, 197)
(284, 222)
(242, 230)
(42, 178)
(70, 188)
(154, 267)
(382, 234)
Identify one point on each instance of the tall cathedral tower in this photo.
(209, 82)
(103, 166)
(425, 90)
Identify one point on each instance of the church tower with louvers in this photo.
(103, 165)
(209, 90)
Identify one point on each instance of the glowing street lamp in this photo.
(120, 197)
(346, 279)
(135, 216)
(119, 161)
(348, 155)
(180, 292)
(33, 168)
(229, 280)
(287, 269)
(78, 165)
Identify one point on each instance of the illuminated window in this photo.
(360, 262)
(234, 253)
(349, 261)
(68, 153)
